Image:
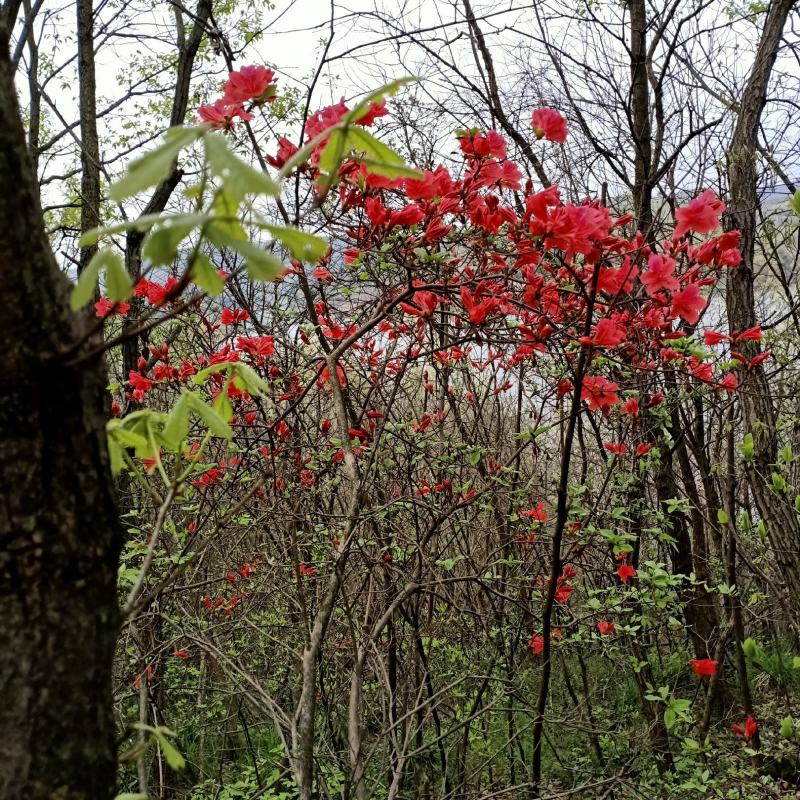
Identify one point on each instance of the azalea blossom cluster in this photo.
(474, 269)
(254, 85)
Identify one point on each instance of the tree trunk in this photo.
(59, 532)
(755, 396)
(640, 119)
(90, 144)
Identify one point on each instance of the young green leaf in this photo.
(213, 421)
(118, 283)
(177, 426)
(248, 380)
(261, 265)
(161, 246)
(238, 177)
(155, 166)
(143, 223)
(206, 276)
(303, 246)
(171, 754)
(334, 151)
(794, 203)
(83, 290)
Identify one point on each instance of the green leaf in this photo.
(118, 283)
(794, 203)
(222, 406)
(333, 153)
(155, 166)
(128, 438)
(381, 157)
(722, 516)
(177, 426)
(747, 448)
(303, 246)
(787, 727)
(238, 177)
(248, 379)
(115, 455)
(388, 89)
(143, 223)
(83, 290)
(778, 483)
(750, 648)
(174, 758)
(161, 246)
(206, 276)
(261, 265)
(213, 421)
(226, 214)
(391, 170)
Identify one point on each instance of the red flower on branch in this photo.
(704, 667)
(548, 124)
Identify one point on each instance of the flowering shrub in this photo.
(360, 395)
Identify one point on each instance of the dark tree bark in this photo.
(640, 119)
(755, 395)
(59, 534)
(87, 109)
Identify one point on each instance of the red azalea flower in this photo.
(688, 304)
(536, 642)
(548, 124)
(626, 571)
(747, 732)
(712, 338)
(630, 407)
(222, 113)
(105, 307)
(704, 667)
(660, 274)
(537, 513)
(599, 393)
(605, 627)
(608, 333)
(250, 83)
(700, 215)
(286, 149)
